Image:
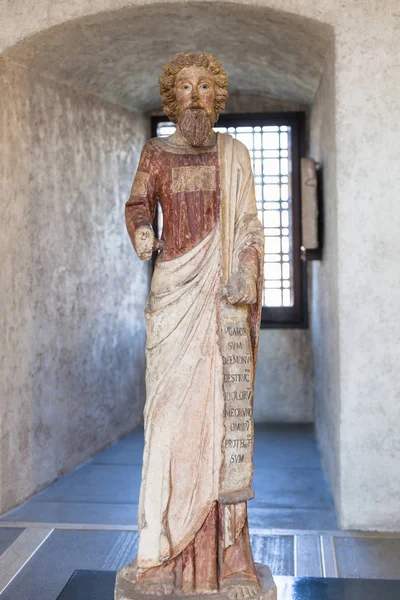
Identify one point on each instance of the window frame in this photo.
(278, 317)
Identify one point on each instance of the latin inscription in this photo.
(238, 392)
(236, 458)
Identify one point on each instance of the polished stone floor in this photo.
(87, 521)
(291, 491)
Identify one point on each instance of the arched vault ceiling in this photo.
(119, 55)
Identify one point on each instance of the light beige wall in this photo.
(324, 283)
(72, 289)
(284, 386)
(368, 190)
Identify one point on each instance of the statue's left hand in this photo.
(241, 289)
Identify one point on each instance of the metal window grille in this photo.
(271, 148)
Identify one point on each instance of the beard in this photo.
(195, 126)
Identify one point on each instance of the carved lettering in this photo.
(239, 443)
(232, 360)
(236, 377)
(235, 345)
(240, 426)
(237, 458)
(238, 396)
(235, 330)
(238, 412)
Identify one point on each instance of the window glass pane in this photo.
(270, 153)
(272, 192)
(273, 271)
(286, 271)
(284, 192)
(246, 139)
(271, 166)
(273, 298)
(273, 245)
(274, 218)
(270, 140)
(257, 167)
(272, 258)
(287, 301)
(257, 141)
(285, 244)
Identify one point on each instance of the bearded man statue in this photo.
(203, 318)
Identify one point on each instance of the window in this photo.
(274, 142)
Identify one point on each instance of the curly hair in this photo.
(188, 59)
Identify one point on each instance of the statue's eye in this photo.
(204, 86)
(185, 86)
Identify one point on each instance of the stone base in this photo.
(124, 588)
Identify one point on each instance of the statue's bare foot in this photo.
(239, 592)
(240, 586)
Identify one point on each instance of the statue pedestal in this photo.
(124, 589)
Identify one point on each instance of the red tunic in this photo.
(186, 183)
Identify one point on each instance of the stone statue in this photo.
(203, 318)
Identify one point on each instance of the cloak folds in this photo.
(201, 354)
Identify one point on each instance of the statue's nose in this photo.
(195, 95)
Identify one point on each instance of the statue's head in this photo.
(193, 93)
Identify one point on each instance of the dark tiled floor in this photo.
(290, 486)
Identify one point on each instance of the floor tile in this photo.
(276, 551)
(65, 551)
(8, 536)
(290, 487)
(368, 557)
(74, 512)
(96, 483)
(291, 518)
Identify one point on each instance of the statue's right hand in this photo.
(144, 241)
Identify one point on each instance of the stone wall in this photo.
(72, 289)
(368, 188)
(324, 295)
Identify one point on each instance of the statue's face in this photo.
(194, 90)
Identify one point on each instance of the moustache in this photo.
(195, 106)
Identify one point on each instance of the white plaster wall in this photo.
(284, 386)
(368, 187)
(73, 290)
(324, 286)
